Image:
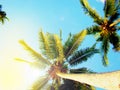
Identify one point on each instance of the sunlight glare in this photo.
(14, 75)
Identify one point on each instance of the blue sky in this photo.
(27, 17)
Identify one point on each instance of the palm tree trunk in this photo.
(109, 80)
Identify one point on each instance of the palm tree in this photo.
(2, 15)
(107, 81)
(107, 27)
(56, 56)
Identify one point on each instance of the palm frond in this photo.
(82, 55)
(92, 88)
(93, 13)
(59, 48)
(93, 29)
(61, 34)
(81, 70)
(23, 60)
(56, 84)
(116, 15)
(115, 23)
(44, 44)
(67, 44)
(84, 86)
(56, 47)
(99, 38)
(2, 20)
(105, 60)
(115, 41)
(52, 46)
(2, 16)
(40, 83)
(36, 64)
(75, 41)
(105, 49)
(109, 8)
(35, 54)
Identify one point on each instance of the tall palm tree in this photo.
(2, 15)
(106, 28)
(107, 81)
(56, 56)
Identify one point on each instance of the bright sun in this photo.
(14, 75)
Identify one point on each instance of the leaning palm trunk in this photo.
(108, 81)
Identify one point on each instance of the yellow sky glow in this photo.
(14, 75)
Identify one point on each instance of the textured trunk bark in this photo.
(108, 81)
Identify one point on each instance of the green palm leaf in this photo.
(82, 55)
(114, 17)
(115, 41)
(106, 27)
(81, 70)
(93, 29)
(61, 34)
(51, 46)
(109, 8)
(2, 16)
(116, 13)
(37, 64)
(105, 60)
(55, 45)
(35, 54)
(40, 83)
(59, 47)
(91, 12)
(44, 45)
(67, 45)
(105, 49)
(116, 22)
(74, 42)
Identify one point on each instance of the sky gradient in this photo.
(26, 18)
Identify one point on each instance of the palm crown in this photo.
(107, 27)
(2, 15)
(57, 57)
